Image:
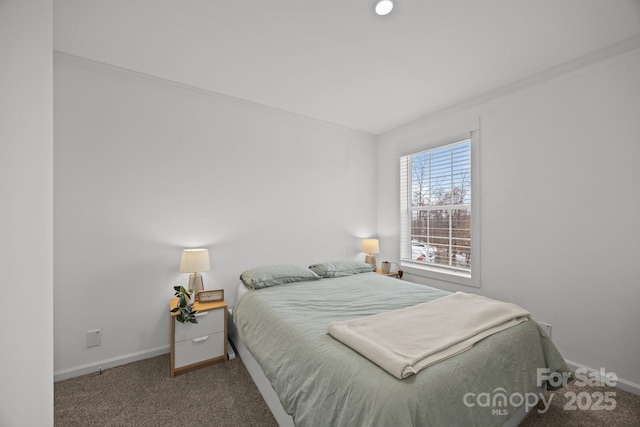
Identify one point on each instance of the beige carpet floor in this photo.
(577, 405)
(143, 394)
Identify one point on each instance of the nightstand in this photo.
(194, 345)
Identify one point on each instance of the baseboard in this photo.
(89, 368)
(621, 383)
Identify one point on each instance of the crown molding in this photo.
(113, 71)
(575, 64)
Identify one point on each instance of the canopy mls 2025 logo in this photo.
(499, 400)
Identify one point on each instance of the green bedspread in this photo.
(322, 382)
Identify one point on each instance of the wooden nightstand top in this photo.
(198, 306)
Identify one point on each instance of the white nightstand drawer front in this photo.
(209, 322)
(198, 349)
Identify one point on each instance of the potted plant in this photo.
(186, 313)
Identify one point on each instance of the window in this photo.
(437, 238)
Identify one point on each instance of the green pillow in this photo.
(340, 268)
(273, 275)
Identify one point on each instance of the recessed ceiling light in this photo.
(384, 7)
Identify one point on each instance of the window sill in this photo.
(446, 275)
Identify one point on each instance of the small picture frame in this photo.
(210, 295)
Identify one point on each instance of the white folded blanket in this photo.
(407, 340)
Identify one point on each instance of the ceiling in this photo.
(335, 60)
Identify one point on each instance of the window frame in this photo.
(433, 271)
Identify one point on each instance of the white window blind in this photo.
(435, 188)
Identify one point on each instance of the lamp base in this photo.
(371, 259)
(195, 284)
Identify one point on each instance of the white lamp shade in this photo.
(370, 246)
(194, 261)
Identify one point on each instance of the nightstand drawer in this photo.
(199, 349)
(195, 345)
(209, 322)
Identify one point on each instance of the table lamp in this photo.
(194, 261)
(371, 247)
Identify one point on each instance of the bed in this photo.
(319, 381)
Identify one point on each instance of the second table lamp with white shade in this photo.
(370, 247)
(195, 261)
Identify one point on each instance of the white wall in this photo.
(145, 168)
(26, 213)
(559, 202)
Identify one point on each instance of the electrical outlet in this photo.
(546, 328)
(93, 338)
